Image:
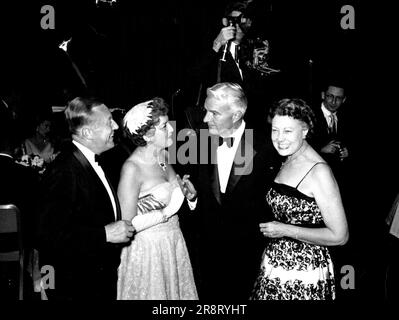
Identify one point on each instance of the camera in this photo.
(232, 21)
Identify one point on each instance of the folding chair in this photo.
(10, 225)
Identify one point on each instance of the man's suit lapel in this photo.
(89, 169)
(213, 169)
(214, 177)
(234, 67)
(228, 70)
(242, 164)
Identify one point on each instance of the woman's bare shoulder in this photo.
(322, 174)
(131, 167)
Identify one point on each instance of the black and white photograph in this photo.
(215, 152)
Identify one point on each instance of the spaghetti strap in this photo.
(307, 174)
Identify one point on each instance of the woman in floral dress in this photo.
(308, 212)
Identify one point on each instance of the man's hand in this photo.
(331, 147)
(119, 231)
(187, 187)
(225, 34)
(343, 153)
(335, 146)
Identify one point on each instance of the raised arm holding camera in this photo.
(238, 54)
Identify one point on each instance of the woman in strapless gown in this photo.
(156, 265)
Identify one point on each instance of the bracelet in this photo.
(164, 216)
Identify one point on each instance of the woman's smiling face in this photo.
(287, 134)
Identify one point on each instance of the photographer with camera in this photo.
(237, 54)
(236, 24)
(230, 67)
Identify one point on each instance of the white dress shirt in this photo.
(225, 157)
(328, 114)
(90, 157)
(233, 52)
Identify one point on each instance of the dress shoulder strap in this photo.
(307, 174)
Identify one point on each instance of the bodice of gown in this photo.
(291, 206)
(157, 198)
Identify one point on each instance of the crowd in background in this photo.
(34, 139)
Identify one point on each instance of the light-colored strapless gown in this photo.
(156, 265)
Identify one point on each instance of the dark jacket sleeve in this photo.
(61, 211)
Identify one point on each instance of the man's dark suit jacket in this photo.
(74, 209)
(230, 244)
(206, 72)
(322, 137)
(229, 72)
(346, 172)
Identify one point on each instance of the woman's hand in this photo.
(187, 187)
(272, 229)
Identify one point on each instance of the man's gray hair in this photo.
(231, 94)
(78, 112)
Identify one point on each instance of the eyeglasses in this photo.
(332, 98)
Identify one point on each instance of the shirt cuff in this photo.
(192, 204)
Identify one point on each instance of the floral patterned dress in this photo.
(292, 269)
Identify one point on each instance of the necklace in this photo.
(162, 164)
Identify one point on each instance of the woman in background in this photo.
(39, 143)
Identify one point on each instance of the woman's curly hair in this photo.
(158, 108)
(297, 109)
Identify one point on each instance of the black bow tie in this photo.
(229, 141)
(98, 159)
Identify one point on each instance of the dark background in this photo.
(135, 50)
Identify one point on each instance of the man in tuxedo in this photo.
(222, 62)
(231, 198)
(80, 230)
